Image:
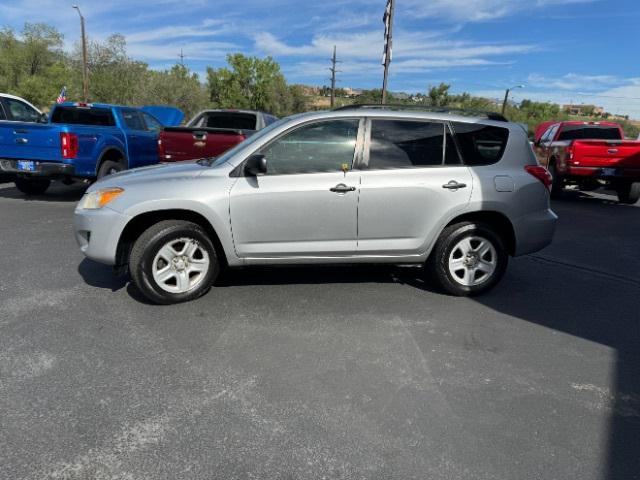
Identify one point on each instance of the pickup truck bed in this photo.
(209, 134)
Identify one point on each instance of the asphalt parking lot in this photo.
(321, 372)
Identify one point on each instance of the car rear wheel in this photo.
(173, 261)
(469, 258)
(628, 192)
(32, 186)
(109, 167)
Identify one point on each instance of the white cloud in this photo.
(478, 10)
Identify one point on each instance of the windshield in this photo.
(215, 162)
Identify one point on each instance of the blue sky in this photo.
(585, 51)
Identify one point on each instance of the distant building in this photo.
(584, 110)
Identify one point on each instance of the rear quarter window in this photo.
(83, 116)
(480, 144)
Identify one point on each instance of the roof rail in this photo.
(425, 108)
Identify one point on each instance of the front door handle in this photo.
(342, 188)
(22, 141)
(453, 185)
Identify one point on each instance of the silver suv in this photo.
(356, 185)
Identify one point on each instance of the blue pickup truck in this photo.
(82, 141)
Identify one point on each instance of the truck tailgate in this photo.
(185, 143)
(606, 153)
(29, 141)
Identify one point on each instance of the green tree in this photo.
(177, 86)
(439, 96)
(253, 83)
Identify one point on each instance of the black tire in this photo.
(628, 192)
(588, 185)
(146, 249)
(109, 167)
(557, 185)
(32, 186)
(438, 263)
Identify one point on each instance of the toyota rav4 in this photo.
(456, 193)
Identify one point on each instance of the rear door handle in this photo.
(342, 188)
(22, 141)
(453, 185)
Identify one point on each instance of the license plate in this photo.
(608, 172)
(26, 166)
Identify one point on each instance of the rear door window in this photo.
(152, 124)
(133, 120)
(480, 144)
(83, 116)
(407, 144)
(586, 132)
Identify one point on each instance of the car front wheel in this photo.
(469, 258)
(173, 261)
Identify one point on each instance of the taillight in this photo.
(69, 145)
(160, 149)
(569, 151)
(541, 174)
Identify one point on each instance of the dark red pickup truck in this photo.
(210, 133)
(591, 154)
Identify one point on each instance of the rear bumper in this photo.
(98, 232)
(604, 173)
(534, 231)
(41, 168)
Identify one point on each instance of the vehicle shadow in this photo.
(57, 192)
(599, 310)
(600, 196)
(588, 286)
(101, 276)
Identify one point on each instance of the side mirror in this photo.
(255, 165)
(44, 118)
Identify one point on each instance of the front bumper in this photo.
(41, 168)
(534, 231)
(98, 232)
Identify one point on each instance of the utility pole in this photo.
(388, 45)
(333, 77)
(181, 57)
(506, 97)
(85, 75)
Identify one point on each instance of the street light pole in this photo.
(506, 97)
(85, 76)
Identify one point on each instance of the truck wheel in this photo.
(109, 167)
(557, 185)
(628, 192)
(173, 261)
(469, 258)
(32, 186)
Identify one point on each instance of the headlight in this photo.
(99, 198)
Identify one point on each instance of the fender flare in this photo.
(108, 149)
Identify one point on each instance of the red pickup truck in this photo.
(210, 133)
(591, 154)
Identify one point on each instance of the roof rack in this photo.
(425, 108)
